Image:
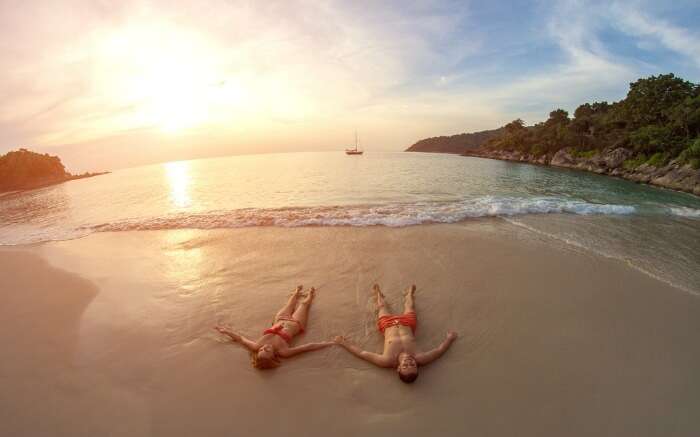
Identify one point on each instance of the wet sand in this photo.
(111, 335)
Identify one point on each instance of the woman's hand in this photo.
(221, 329)
(340, 340)
(228, 332)
(451, 335)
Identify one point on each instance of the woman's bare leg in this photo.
(288, 309)
(382, 310)
(301, 314)
(408, 305)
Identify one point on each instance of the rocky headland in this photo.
(612, 162)
(457, 144)
(26, 170)
(651, 136)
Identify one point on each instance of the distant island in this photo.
(24, 170)
(651, 136)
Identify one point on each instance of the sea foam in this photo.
(685, 212)
(392, 215)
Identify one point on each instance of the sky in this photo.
(108, 84)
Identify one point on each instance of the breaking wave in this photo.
(686, 212)
(393, 215)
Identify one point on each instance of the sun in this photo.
(167, 78)
(173, 93)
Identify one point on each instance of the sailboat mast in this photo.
(356, 150)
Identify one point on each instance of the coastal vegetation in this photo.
(23, 169)
(459, 143)
(651, 136)
(658, 122)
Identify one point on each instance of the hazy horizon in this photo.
(107, 86)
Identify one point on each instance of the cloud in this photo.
(583, 71)
(76, 72)
(678, 39)
(67, 83)
(588, 70)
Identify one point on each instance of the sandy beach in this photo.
(246, 148)
(112, 335)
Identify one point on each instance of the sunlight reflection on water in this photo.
(179, 180)
(184, 259)
(609, 215)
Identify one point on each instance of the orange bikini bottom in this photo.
(278, 330)
(406, 319)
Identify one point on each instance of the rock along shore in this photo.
(674, 175)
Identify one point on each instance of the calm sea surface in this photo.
(656, 231)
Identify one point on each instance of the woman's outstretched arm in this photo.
(291, 351)
(237, 338)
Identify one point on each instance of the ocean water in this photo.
(656, 231)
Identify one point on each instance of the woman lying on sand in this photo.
(266, 351)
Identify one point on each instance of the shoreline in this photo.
(673, 176)
(114, 332)
(515, 221)
(608, 256)
(488, 222)
(52, 183)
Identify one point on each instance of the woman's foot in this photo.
(310, 295)
(297, 292)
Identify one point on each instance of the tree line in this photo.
(22, 169)
(659, 120)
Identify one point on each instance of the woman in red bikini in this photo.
(400, 350)
(274, 344)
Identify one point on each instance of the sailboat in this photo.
(354, 151)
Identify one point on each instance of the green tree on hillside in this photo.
(652, 100)
(659, 118)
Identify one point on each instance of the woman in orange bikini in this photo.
(274, 344)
